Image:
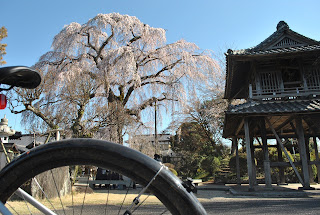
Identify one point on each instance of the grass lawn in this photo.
(98, 197)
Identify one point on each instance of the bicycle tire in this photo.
(139, 167)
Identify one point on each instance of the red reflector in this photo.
(3, 101)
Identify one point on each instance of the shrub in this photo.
(242, 163)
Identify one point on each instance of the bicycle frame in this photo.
(4, 210)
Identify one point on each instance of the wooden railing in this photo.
(290, 93)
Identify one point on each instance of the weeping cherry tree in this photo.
(101, 75)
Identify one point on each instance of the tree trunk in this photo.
(116, 121)
(49, 181)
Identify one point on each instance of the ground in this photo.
(217, 199)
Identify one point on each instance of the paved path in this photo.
(284, 199)
(274, 206)
(289, 190)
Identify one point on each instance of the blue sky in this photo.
(211, 24)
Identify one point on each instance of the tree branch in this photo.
(104, 44)
(145, 104)
(37, 112)
(132, 88)
(168, 67)
(89, 43)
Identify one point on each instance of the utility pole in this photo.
(155, 128)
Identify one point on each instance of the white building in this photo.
(147, 144)
(15, 143)
(5, 132)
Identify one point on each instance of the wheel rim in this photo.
(173, 185)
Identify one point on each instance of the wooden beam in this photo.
(266, 161)
(294, 129)
(285, 151)
(317, 156)
(307, 141)
(239, 127)
(254, 168)
(260, 144)
(269, 146)
(249, 157)
(282, 179)
(284, 123)
(284, 164)
(234, 145)
(303, 152)
(235, 140)
(317, 161)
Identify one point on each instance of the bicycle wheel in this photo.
(126, 161)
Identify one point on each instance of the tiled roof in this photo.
(303, 43)
(283, 28)
(264, 107)
(275, 51)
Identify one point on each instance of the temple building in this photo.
(279, 80)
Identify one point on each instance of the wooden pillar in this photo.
(307, 141)
(235, 144)
(281, 168)
(284, 150)
(266, 161)
(317, 157)
(303, 153)
(249, 157)
(254, 168)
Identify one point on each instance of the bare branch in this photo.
(104, 44)
(168, 67)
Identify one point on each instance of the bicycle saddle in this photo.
(20, 76)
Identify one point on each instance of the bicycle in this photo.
(154, 177)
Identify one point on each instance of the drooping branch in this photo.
(168, 67)
(37, 112)
(89, 43)
(106, 42)
(132, 88)
(147, 103)
(135, 38)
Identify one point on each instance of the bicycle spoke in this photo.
(109, 208)
(72, 202)
(107, 202)
(141, 203)
(137, 199)
(44, 193)
(101, 154)
(124, 198)
(12, 208)
(165, 211)
(55, 184)
(85, 193)
(26, 204)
